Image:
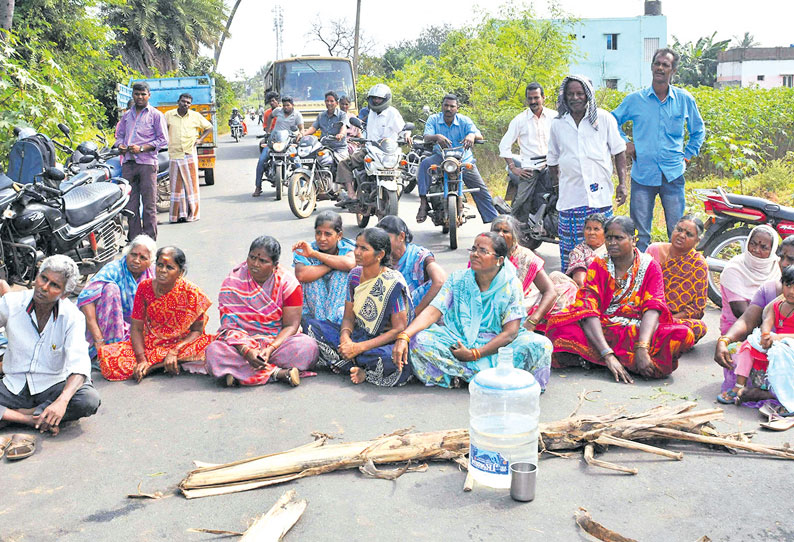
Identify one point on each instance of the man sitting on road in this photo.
(47, 369)
(449, 129)
(531, 129)
(383, 121)
(285, 117)
(333, 123)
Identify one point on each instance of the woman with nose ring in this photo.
(620, 319)
(483, 309)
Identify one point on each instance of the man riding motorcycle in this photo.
(384, 121)
(332, 123)
(237, 115)
(285, 117)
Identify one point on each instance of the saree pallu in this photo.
(251, 317)
(324, 298)
(474, 318)
(527, 265)
(619, 306)
(112, 291)
(412, 267)
(167, 321)
(184, 176)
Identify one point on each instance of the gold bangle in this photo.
(533, 322)
(724, 339)
(346, 329)
(404, 336)
(641, 344)
(476, 353)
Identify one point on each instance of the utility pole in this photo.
(278, 26)
(355, 38)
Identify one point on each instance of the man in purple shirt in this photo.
(140, 134)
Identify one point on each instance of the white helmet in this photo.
(379, 91)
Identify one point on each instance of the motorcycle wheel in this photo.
(410, 186)
(452, 216)
(723, 247)
(209, 177)
(362, 220)
(531, 244)
(301, 195)
(390, 204)
(163, 195)
(236, 136)
(279, 182)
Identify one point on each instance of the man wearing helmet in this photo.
(449, 129)
(236, 114)
(383, 121)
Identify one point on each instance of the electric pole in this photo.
(355, 38)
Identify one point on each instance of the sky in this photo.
(252, 43)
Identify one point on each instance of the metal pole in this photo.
(355, 38)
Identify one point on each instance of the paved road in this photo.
(148, 434)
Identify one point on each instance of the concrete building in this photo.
(617, 52)
(763, 67)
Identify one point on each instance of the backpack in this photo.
(29, 157)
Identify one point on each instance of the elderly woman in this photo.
(620, 318)
(260, 304)
(377, 309)
(746, 272)
(168, 318)
(685, 274)
(592, 247)
(416, 264)
(322, 268)
(539, 292)
(106, 301)
(483, 310)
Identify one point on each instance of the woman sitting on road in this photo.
(377, 309)
(168, 318)
(539, 292)
(106, 301)
(260, 304)
(620, 318)
(322, 268)
(745, 272)
(416, 264)
(685, 274)
(483, 308)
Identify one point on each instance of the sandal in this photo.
(230, 381)
(728, 397)
(778, 424)
(421, 216)
(291, 376)
(4, 442)
(21, 446)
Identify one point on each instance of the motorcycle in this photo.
(410, 170)
(728, 227)
(314, 177)
(445, 193)
(38, 220)
(237, 129)
(378, 184)
(280, 164)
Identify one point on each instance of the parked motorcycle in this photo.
(446, 190)
(728, 227)
(314, 177)
(378, 183)
(236, 126)
(280, 163)
(410, 170)
(38, 220)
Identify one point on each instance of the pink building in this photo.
(762, 67)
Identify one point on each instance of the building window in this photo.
(788, 80)
(612, 42)
(611, 83)
(650, 45)
(760, 78)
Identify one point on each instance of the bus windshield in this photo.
(305, 79)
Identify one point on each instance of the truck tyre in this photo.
(209, 177)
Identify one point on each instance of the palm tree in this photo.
(698, 63)
(164, 35)
(746, 41)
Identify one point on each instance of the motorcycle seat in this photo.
(770, 208)
(163, 162)
(7, 195)
(85, 202)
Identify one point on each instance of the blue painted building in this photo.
(617, 52)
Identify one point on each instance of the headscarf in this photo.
(590, 113)
(744, 273)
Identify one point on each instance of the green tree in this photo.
(746, 41)
(159, 36)
(698, 63)
(428, 43)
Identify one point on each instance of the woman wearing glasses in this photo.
(483, 308)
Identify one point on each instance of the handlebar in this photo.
(47, 189)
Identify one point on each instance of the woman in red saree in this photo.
(168, 319)
(620, 319)
(685, 273)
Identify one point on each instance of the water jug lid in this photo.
(501, 378)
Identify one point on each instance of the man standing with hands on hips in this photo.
(140, 134)
(659, 114)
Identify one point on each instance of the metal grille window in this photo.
(611, 83)
(650, 45)
(788, 81)
(612, 42)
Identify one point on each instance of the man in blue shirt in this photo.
(448, 129)
(659, 114)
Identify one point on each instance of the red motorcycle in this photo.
(728, 226)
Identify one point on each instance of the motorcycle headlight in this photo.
(390, 161)
(450, 166)
(279, 146)
(304, 151)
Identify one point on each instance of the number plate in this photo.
(307, 160)
(206, 163)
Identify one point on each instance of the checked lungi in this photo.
(184, 177)
(571, 229)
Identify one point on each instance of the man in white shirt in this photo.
(383, 121)
(47, 369)
(531, 129)
(582, 142)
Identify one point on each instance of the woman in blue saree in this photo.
(377, 309)
(483, 308)
(416, 264)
